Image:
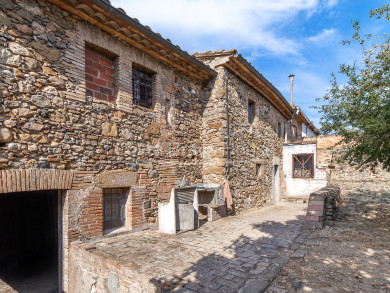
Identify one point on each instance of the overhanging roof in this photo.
(245, 71)
(304, 119)
(118, 24)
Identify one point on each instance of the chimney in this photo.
(291, 77)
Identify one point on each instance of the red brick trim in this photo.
(91, 218)
(19, 180)
(135, 207)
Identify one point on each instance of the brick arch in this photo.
(18, 180)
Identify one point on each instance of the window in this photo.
(259, 170)
(303, 166)
(280, 130)
(251, 111)
(142, 87)
(99, 75)
(114, 203)
(294, 131)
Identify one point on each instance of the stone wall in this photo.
(48, 120)
(327, 153)
(254, 148)
(91, 273)
(321, 207)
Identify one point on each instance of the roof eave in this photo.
(264, 80)
(130, 23)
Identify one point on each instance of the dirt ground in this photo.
(351, 256)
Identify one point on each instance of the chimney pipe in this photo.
(291, 77)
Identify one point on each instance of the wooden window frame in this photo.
(302, 165)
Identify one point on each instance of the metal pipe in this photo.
(291, 77)
(227, 124)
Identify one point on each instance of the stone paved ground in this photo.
(235, 254)
(354, 255)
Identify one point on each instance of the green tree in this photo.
(359, 110)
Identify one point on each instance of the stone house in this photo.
(100, 118)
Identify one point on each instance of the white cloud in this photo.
(259, 25)
(324, 37)
(332, 3)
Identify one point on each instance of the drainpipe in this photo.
(227, 125)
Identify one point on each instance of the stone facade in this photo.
(255, 148)
(68, 122)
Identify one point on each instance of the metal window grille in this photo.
(142, 88)
(303, 166)
(114, 203)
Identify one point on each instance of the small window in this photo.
(294, 131)
(259, 170)
(280, 130)
(114, 203)
(142, 87)
(303, 166)
(251, 111)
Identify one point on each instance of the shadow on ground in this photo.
(352, 256)
(246, 264)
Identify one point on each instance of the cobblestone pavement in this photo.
(235, 254)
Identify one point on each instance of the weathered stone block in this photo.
(40, 101)
(5, 135)
(116, 178)
(154, 128)
(7, 58)
(109, 129)
(4, 20)
(18, 49)
(32, 126)
(6, 4)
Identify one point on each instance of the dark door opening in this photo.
(29, 241)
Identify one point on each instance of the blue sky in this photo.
(279, 37)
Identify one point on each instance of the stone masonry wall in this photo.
(327, 154)
(251, 144)
(321, 207)
(48, 120)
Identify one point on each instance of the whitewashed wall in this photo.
(298, 186)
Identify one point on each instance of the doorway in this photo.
(276, 184)
(29, 241)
